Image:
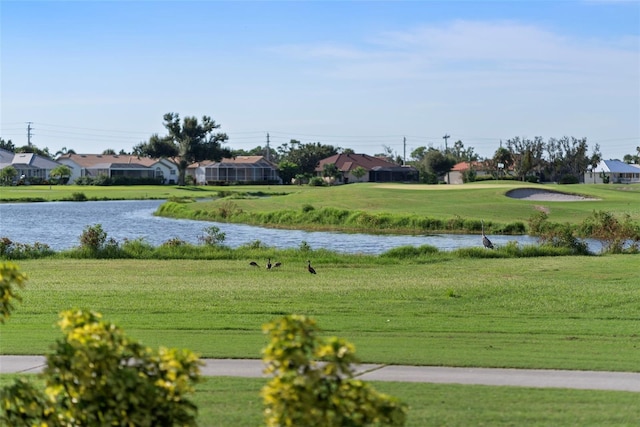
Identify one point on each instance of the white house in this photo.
(30, 166)
(114, 165)
(240, 169)
(613, 172)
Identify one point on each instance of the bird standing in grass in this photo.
(254, 264)
(269, 264)
(485, 240)
(311, 269)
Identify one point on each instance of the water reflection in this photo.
(60, 224)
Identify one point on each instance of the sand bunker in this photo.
(545, 195)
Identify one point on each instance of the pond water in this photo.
(60, 224)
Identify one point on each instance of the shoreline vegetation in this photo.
(560, 219)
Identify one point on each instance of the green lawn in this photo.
(551, 312)
(233, 402)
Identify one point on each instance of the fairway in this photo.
(554, 313)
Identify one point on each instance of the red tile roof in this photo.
(348, 162)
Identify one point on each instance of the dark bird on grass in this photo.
(269, 264)
(311, 269)
(277, 264)
(254, 264)
(485, 240)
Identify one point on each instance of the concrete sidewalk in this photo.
(543, 378)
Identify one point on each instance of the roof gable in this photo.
(616, 166)
(348, 162)
(90, 161)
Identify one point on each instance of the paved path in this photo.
(590, 380)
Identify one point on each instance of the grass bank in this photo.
(232, 402)
(407, 208)
(554, 312)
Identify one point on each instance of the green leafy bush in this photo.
(14, 250)
(212, 236)
(10, 278)
(313, 381)
(616, 235)
(97, 376)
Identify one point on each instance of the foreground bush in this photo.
(10, 279)
(314, 384)
(97, 376)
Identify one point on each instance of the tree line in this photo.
(190, 140)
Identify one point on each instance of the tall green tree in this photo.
(44, 152)
(331, 171)
(7, 175)
(306, 156)
(63, 151)
(527, 155)
(502, 161)
(438, 163)
(7, 145)
(60, 172)
(190, 141)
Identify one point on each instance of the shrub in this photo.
(403, 252)
(316, 181)
(97, 376)
(79, 197)
(136, 248)
(569, 179)
(313, 381)
(10, 279)
(616, 235)
(213, 236)
(93, 238)
(307, 208)
(14, 250)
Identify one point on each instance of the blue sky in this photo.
(355, 74)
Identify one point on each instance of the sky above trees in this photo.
(362, 75)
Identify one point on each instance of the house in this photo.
(30, 167)
(240, 169)
(457, 172)
(614, 172)
(119, 165)
(375, 169)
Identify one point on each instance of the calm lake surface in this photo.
(60, 224)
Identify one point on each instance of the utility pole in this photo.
(445, 137)
(404, 151)
(268, 149)
(29, 133)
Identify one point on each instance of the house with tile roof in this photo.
(120, 165)
(456, 174)
(614, 172)
(30, 166)
(377, 169)
(236, 170)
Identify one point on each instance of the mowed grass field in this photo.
(551, 312)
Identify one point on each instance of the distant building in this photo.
(30, 166)
(376, 169)
(119, 165)
(613, 172)
(236, 170)
(456, 174)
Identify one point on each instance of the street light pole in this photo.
(446, 150)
